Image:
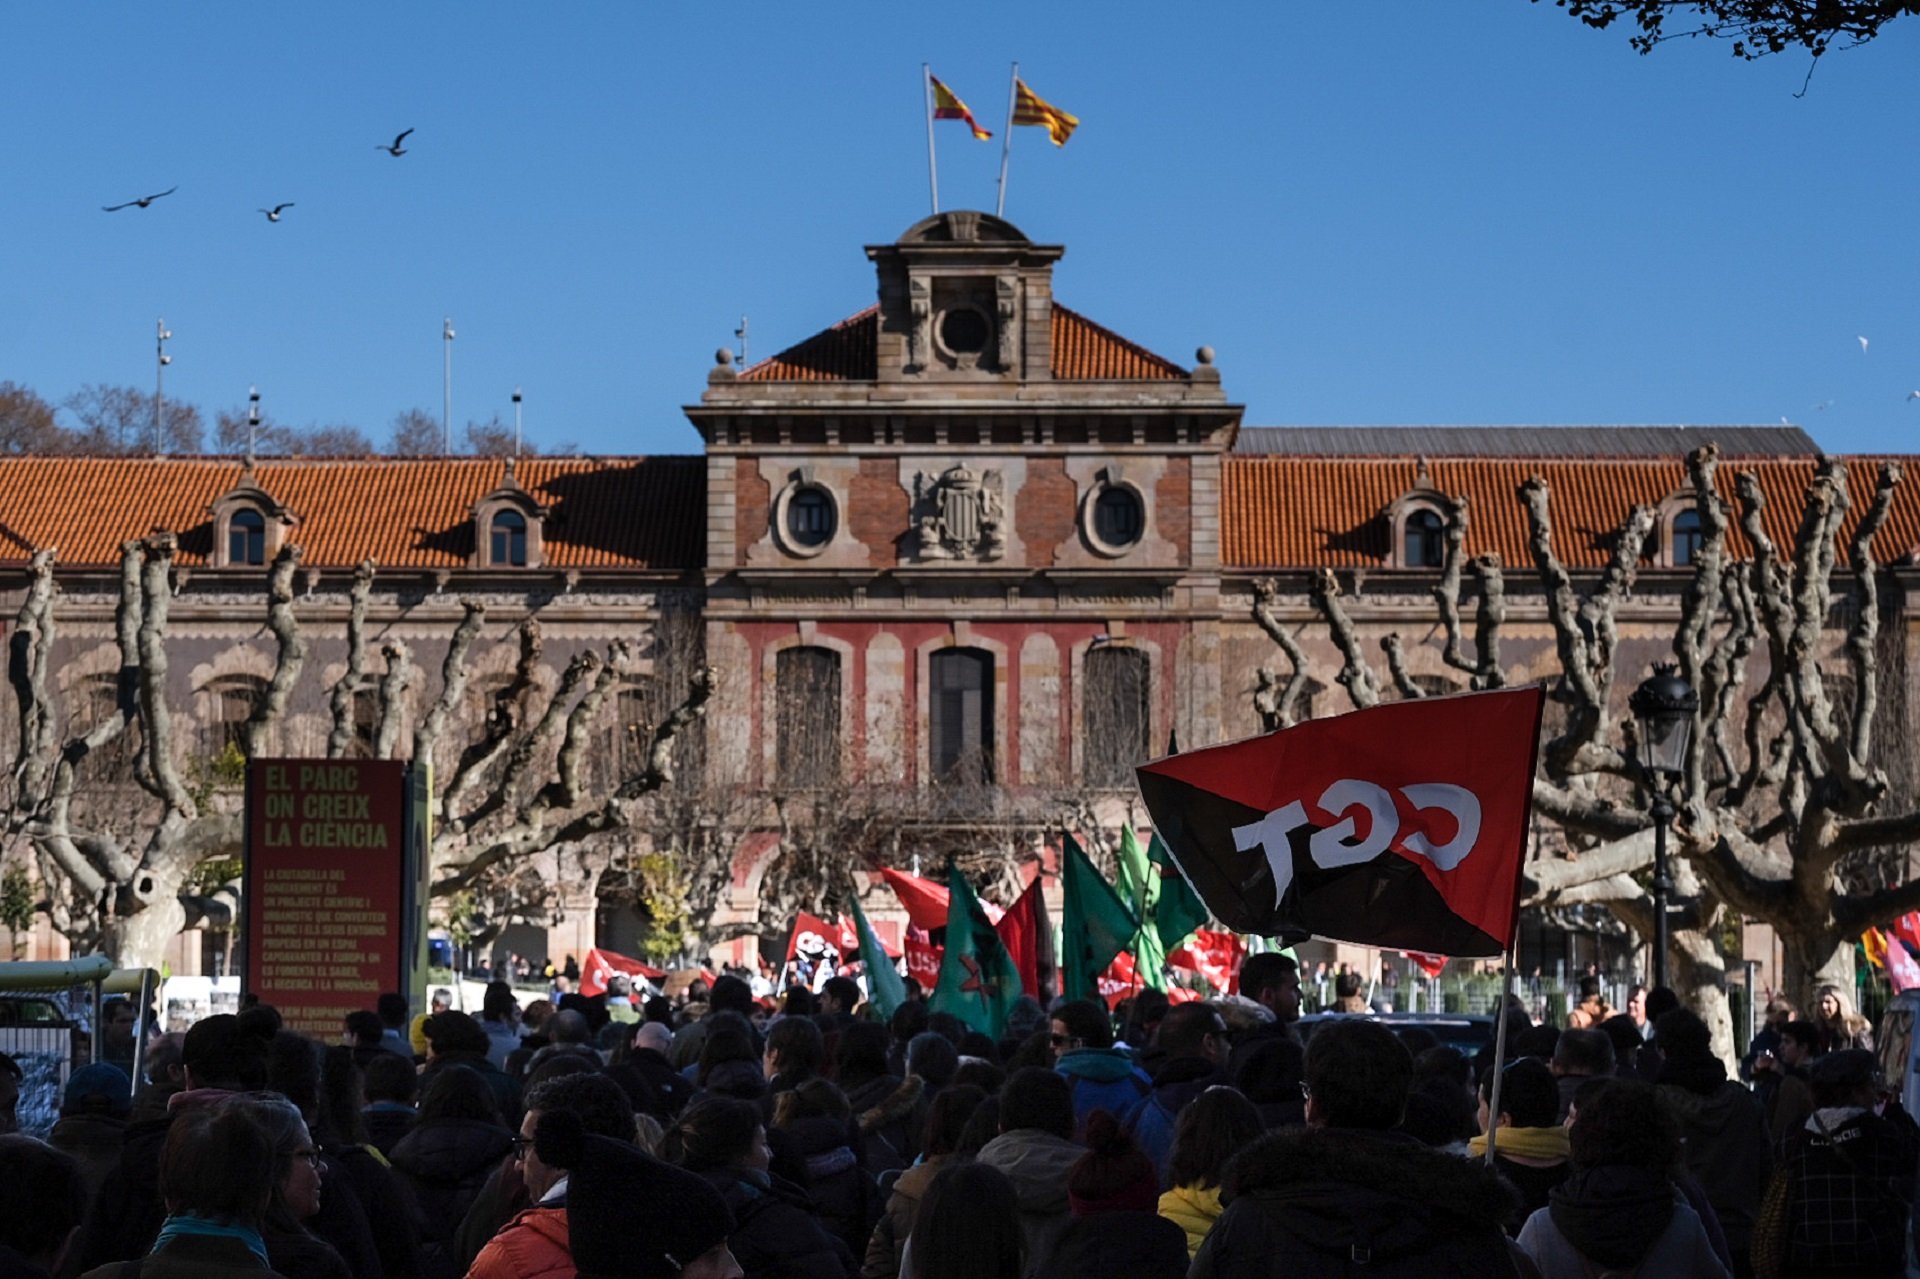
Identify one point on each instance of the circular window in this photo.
(964, 331)
(809, 518)
(1118, 519)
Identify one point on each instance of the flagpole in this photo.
(926, 95)
(1006, 141)
(1499, 1052)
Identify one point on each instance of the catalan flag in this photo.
(1029, 108)
(947, 106)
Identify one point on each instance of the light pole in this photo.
(446, 386)
(253, 419)
(161, 360)
(1664, 707)
(516, 421)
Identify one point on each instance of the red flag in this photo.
(602, 964)
(923, 958)
(1401, 826)
(1214, 955)
(1021, 929)
(1907, 928)
(926, 901)
(1902, 972)
(811, 935)
(1428, 964)
(1122, 981)
(850, 941)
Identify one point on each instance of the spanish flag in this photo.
(1028, 108)
(947, 106)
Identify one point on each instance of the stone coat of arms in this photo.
(959, 514)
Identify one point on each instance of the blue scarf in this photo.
(182, 1226)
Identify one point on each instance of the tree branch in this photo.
(290, 655)
(1355, 675)
(355, 676)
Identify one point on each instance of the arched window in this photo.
(1688, 537)
(1114, 709)
(806, 690)
(508, 543)
(1425, 540)
(246, 537)
(960, 715)
(227, 706)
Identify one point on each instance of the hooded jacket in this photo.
(776, 1235)
(891, 1113)
(1037, 1163)
(531, 1246)
(844, 1196)
(1726, 1141)
(1152, 1119)
(1102, 1079)
(1339, 1202)
(1194, 1209)
(1622, 1221)
(445, 1162)
(890, 1233)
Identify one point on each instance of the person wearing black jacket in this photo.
(449, 1155)
(775, 1235)
(1193, 1045)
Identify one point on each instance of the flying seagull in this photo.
(1863, 346)
(396, 148)
(1913, 395)
(141, 203)
(273, 214)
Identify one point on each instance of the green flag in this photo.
(1095, 924)
(1140, 885)
(979, 981)
(885, 990)
(1178, 911)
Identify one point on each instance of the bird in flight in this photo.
(273, 214)
(396, 148)
(141, 203)
(1913, 395)
(1863, 346)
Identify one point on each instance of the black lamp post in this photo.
(1664, 707)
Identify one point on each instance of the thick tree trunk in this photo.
(1812, 961)
(1700, 979)
(139, 939)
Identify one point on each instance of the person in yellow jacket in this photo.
(1211, 1130)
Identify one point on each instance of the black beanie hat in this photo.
(629, 1216)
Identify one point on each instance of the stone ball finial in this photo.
(723, 357)
(1204, 355)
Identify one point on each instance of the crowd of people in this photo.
(722, 1136)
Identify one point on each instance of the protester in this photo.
(729, 994)
(43, 1201)
(1781, 1079)
(1531, 1148)
(967, 1228)
(1847, 1180)
(890, 1111)
(450, 1154)
(1116, 1233)
(1591, 1008)
(93, 1121)
(1766, 1041)
(648, 1075)
(293, 1249)
(630, 1216)
(1618, 1212)
(729, 1066)
(338, 1216)
(1840, 1027)
(216, 1178)
(947, 1119)
(1036, 1151)
(340, 1130)
(1270, 981)
(500, 1018)
(932, 1059)
(818, 1128)
(218, 1057)
(1722, 1125)
(1637, 1008)
(1102, 1077)
(534, 1239)
(775, 1234)
(1268, 1074)
(1218, 1124)
(393, 1013)
(1193, 1050)
(1348, 1186)
(795, 1053)
(455, 1039)
(389, 1083)
(1346, 993)
(1580, 1055)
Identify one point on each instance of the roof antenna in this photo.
(253, 421)
(741, 333)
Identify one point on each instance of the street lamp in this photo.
(1664, 708)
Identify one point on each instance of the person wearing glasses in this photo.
(1099, 1075)
(293, 1249)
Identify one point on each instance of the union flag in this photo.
(1401, 826)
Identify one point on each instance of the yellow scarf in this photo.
(1527, 1143)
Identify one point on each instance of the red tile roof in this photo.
(849, 352)
(1279, 512)
(620, 513)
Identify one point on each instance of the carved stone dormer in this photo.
(509, 526)
(249, 524)
(1418, 523)
(964, 297)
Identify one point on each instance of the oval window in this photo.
(810, 517)
(1117, 517)
(964, 331)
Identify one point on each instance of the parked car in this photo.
(1469, 1032)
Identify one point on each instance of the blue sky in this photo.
(1389, 212)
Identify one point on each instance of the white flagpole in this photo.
(926, 93)
(1006, 141)
(1499, 1054)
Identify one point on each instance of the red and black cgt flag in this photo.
(1400, 826)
